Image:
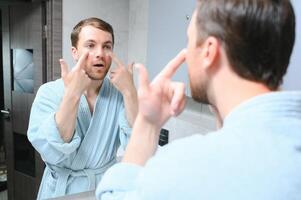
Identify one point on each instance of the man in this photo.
(237, 54)
(78, 122)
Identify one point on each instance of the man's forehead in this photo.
(90, 33)
(109, 41)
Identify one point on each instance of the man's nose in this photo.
(100, 53)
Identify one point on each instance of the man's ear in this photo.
(210, 51)
(75, 53)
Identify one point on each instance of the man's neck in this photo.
(92, 92)
(234, 91)
(93, 89)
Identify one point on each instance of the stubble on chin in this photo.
(199, 94)
(96, 76)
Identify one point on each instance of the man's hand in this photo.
(121, 77)
(76, 81)
(157, 101)
(162, 98)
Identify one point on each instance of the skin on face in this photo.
(194, 58)
(97, 43)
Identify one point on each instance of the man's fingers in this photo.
(111, 74)
(130, 67)
(115, 59)
(64, 68)
(81, 63)
(173, 65)
(143, 77)
(178, 98)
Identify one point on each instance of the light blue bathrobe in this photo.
(78, 165)
(255, 156)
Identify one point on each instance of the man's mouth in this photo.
(98, 65)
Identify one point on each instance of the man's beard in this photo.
(97, 77)
(199, 93)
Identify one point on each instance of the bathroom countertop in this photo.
(80, 196)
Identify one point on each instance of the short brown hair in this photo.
(93, 21)
(258, 35)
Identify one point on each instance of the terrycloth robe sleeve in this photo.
(120, 183)
(42, 130)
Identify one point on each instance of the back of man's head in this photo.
(258, 35)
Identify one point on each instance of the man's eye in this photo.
(108, 47)
(90, 46)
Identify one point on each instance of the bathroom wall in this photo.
(138, 30)
(292, 79)
(115, 12)
(167, 35)
(195, 118)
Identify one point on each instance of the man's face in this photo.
(197, 77)
(98, 43)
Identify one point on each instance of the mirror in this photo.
(149, 32)
(152, 31)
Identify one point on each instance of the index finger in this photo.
(173, 65)
(81, 61)
(115, 59)
(64, 68)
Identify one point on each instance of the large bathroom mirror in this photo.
(152, 32)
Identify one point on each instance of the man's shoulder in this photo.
(192, 141)
(200, 162)
(179, 165)
(56, 84)
(201, 150)
(55, 87)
